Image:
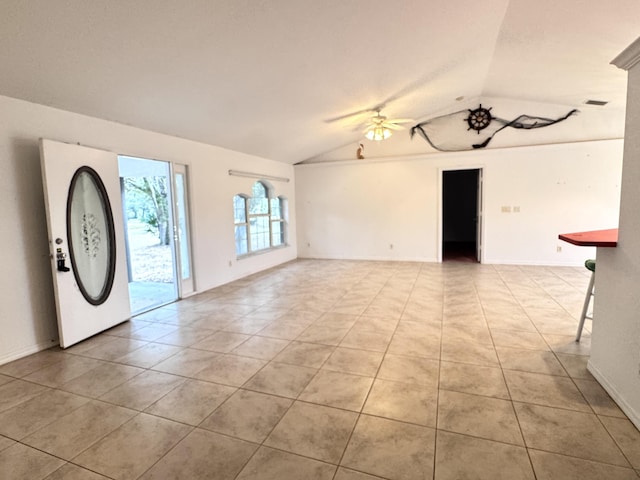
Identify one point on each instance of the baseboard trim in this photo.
(628, 410)
(23, 352)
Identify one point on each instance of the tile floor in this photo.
(329, 370)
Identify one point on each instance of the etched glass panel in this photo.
(90, 235)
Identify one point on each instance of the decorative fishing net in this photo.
(469, 129)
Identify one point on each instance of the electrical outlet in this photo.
(516, 209)
(230, 263)
(559, 249)
(391, 246)
(506, 209)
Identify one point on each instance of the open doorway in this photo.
(461, 215)
(152, 236)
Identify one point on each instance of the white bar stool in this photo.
(590, 265)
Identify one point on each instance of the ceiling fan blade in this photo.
(400, 120)
(349, 115)
(392, 126)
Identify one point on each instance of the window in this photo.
(241, 224)
(260, 221)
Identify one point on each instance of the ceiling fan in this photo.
(380, 127)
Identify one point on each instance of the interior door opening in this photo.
(461, 215)
(146, 189)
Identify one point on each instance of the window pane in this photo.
(260, 233)
(239, 210)
(275, 208)
(259, 203)
(241, 240)
(277, 233)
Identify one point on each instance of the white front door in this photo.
(86, 237)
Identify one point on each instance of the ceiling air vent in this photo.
(599, 103)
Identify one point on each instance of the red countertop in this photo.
(594, 238)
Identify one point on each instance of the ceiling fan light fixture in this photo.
(378, 133)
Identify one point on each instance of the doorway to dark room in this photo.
(462, 215)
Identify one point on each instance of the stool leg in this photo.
(585, 307)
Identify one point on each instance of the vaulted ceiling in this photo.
(274, 77)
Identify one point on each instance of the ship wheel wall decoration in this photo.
(444, 133)
(479, 119)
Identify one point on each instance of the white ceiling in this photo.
(265, 76)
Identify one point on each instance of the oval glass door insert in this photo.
(91, 235)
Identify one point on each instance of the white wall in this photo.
(27, 313)
(615, 343)
(357, 209)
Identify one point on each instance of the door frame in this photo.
(187, 287)
(480, 226)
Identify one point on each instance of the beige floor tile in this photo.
(17, 392)
(22, 462)
(6, 379)
(58, 374)
(303, 354)
(571, 433)
(419, 329)
(149, 355)
(203, 455)
(230, 370)
(247, 415)
(466, 334)
(89, 343)
(337, 320)
(222, 342)
(460, 456)
(153, 332)
(366, 340)
(550, 466)
(406, 402)
(270, 464)
(185, 336)
(187, 362)
(390, 449)
(322, 335)
(73, 433)
(575, 365)
(5, 442)
(191, 402)
(626, 436)
(415, 346)
(533, 361)
(598, 398)
(398, 368)
(518, 339)
(100, 380)
(281, 379)
(32, 363)
(485, 417)
(129, 451)
(473, 379)
(126, 328)
(41, 410)
(471, 353)
(347, 474)
(337, 389)
(568, 344)
(247, 326)
(114, 349)
(283, 329)
(313, 431)
(263, 348)
(359, 362)
(548, 390)
(143, 390)
(70, 471)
